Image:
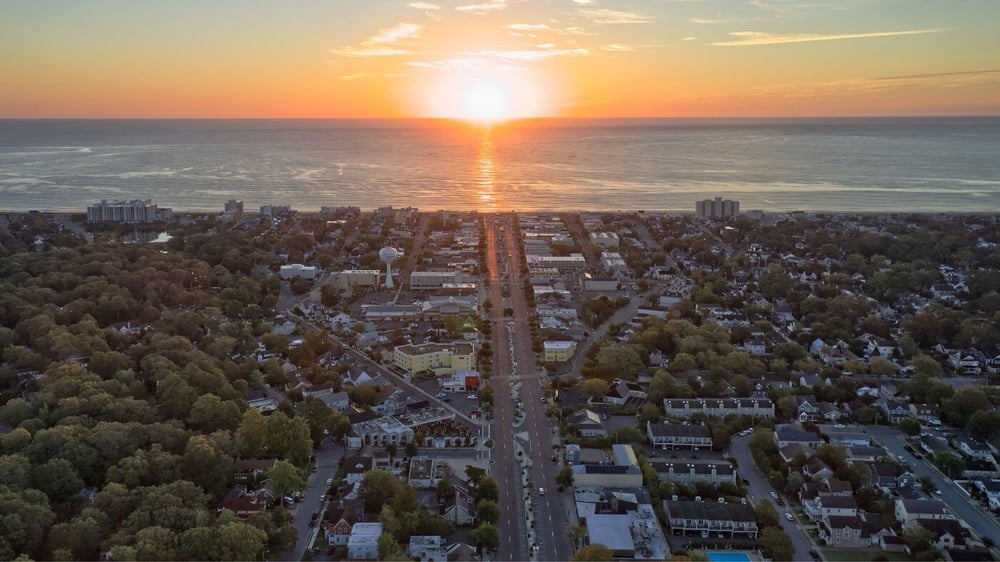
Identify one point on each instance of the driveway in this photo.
(760, 488)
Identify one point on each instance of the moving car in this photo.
(789, 516)
(541, 491)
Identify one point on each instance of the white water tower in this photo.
(388, 255)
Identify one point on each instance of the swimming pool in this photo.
(728, 557)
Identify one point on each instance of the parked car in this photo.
(789, 516)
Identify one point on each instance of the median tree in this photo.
(776, 544)
(767, 515)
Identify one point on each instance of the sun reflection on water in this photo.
(486, 176)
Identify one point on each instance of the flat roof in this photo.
(611, 530)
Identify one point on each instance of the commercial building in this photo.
(297, 270)
(710, 517)
(128, 212)
(632, 534)
(349, 278)
(717, 208)
(432, 280)
(572, 262)
(604, 239)
(363, 543)
(440, 358)
(272, 211)
(233, 208)
(559, 351)
(613, 262)
(719, 407)
(672, 435)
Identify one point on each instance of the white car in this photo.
(472, 397)
(440, 395)
(789, 516)
(541, 491)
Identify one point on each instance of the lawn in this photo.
(860, 555)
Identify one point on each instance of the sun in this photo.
(486, 101)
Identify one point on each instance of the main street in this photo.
(972, 514)
(505, 468)
(549, 510)
(760, 489)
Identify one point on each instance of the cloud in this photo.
(533, 29)
(711, 21)
(357, 76)
(583, 2)
(938, 74)
(386, 43)
(689, 38)
(533, 55)
(424, 6)
(618, 48)
(605, 15)
(753, 38)
(485, 7)
(530, 27)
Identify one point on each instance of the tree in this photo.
(253, 434)
(767, 515)
(919, 539)
(210, 413)
(487, 537)
(880, 367)
(286, 478)
(595, 389)
(594, 553)
(927, 485)
(926, 366)
(488, 511)
(58, 479)
(984, 424)
(376, 488)
(474, 475)
(564, 478)
(488, 489)
(909, 426)
(776, 544)
(389, 548)
(964, 403)
(949, 463)
(445, 489)
(237, 540)
(411, 449)
(155, 543)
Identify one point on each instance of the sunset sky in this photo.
(513, 58)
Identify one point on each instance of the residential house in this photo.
(356, 467)
(622, 392)
(340, 519)
(895, 411)
(807, 407)
(865, 453)
(672, 435)
(713, 517)
(948, 533)
(719, 407)
(974, 448)
(816, 469)
(922, 412)
(422, 473)
(979, 468)
(243, 505)
(992, 490)
(693, 471)
(588, 423)
(246, 470)
(841, 530)
(891, 476)
(909, 511)
(787, 435)
(363, 542)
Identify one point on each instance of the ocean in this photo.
(940, 164)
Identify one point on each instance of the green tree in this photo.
(205, 465)
(910, 426)
(488, 511)
(237, 540)
(776, 544)
(949, 463)
(286, 478)
(595, 389)
(919, 539)
(594, 553)
(564, 478)
(253, 434)
(155, 543)
(210, 413)
(767, 515)
(474, 475)
(487, 537)
(984, 424)
(390, 549)
(488, 489)
(376, 489)
(966, 401)
(57, 479)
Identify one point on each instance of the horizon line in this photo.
(512, 120)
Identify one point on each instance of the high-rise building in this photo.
(234, 207)
(717, 208)
(134, 211)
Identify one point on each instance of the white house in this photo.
(428, 548)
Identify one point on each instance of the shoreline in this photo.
(317, 212)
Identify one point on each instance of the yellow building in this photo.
(559, 351)
(349, 278)
(441, 358)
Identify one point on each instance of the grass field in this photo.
(860, 555)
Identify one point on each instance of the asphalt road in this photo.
(505, 468)
(760, 489)
(550, 518)
(972, 514)
(328, 458)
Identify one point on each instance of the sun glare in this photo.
(484, 97)
(486, 101)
